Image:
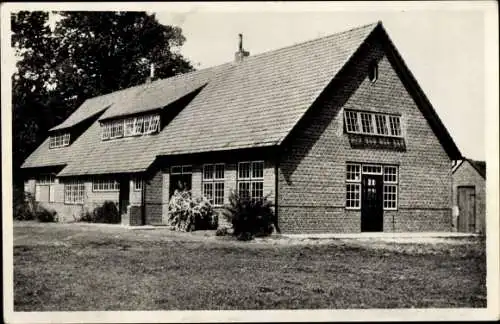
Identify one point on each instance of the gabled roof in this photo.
(254, 103)
(479, 166)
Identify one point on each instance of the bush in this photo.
(24, 206)
(45, 215)
(107, 213)
(249, 217)
(222, 231)
(187, 214)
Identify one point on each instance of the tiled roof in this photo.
(248, 104)
(480, 167)
(257, 102)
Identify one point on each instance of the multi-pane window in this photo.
(381, 124)
(45, 179)
(395, 124)
(372, 123)
(60, 140)
(131, 126)
(366, 123)
(390, 187)
(74, 192)
(251, 179)
(213, 183)
(138, 183)
(354, 172)
(105, 185)
(353, 186)
(351, 121)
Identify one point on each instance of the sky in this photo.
(443, 48)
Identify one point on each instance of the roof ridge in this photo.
(374, 24)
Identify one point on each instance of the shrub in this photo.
(24, 206)
(107, 213)
(188, 214)
(222, 231)
(45, 215)
(249, 217)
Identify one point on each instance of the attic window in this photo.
(60, 140)
(368, 123)
(128, 127)
(373, 72)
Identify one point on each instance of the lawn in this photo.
(77, 267)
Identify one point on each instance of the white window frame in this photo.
(132, 126)
(138, 183)
(212, 182)
(251, 180)
(183, 169)
(60, 140)
(105, 185)
(387, 131)
(380, 169)
(74, 192)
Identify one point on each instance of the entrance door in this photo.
(372, 211)
(466, 209)
(124, 196)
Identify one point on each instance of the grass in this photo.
(77, 267)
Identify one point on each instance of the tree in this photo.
(86, 55)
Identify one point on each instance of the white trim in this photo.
(373, 123)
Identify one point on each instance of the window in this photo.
(74, 192)
(251, 179)
(137, 184)
(180, 178)
(354, 172)
(45, 179)
(351, 121)
(130, 127)
(213, 183)
(381, 124)
(366, 123)
(395, 125)
(372, 123)
(60, 140)
(390, 187)
(105, 185)
(373, 72)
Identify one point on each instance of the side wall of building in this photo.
(312, 167)
(466, 175)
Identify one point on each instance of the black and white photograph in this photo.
(250, 161)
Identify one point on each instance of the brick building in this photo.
(469, 196)
(336, 130)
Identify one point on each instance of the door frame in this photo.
(366, 213)
(460, 214)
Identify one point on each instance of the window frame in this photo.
(105, 185)
(138, 183)
(75, 189)
(59, 140)
(251, 179)
(212, 182)
(131, 126)
(367, 119)
(385, 183)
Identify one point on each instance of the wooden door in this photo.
(372, 210)
(466, 209)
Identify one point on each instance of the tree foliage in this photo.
(85, 55)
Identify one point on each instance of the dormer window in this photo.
(59, 140)
(367, 123)
(373, 72)
(135, 126)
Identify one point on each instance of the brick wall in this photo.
(466, 175)
(158, 203)
(312, 169)
(153, 196)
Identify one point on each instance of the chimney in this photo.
(238, 56)
(151, 73)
